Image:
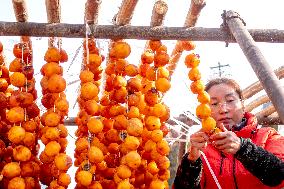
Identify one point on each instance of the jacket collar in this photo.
(250, 128)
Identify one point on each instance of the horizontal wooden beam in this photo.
(132, 32)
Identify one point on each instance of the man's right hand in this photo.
(198, 141)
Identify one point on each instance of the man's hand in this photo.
(226, 141)
(198, 141)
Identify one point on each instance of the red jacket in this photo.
(230, 172)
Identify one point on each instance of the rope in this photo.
(211, 171)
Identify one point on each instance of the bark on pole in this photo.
(264, 72)
(193, 13)
(256, 87)
(132, 32)
(92, 11)
(158, 13)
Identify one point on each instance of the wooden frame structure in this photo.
(156, 30)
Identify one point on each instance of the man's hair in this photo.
(226, 81)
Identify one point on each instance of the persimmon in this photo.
(120, 49)
(63, 55)
(30, 125)
(133, 99)
(125, 184)
(133, 159)
(31, 183)
(143, 68)
(16, 134)
(89, 91)
(203, 111)
(2, 60)
(82, 144)
(147, 57)
(203, 97)
(131, 70)
(63, 162)
(61, 104)
(135, 127)
(152, 97)
(123, 172)
(52, 119)
(22, 51)
(21, 153)
(63, 132)
(194, 74)
(64, 179)
(110, 68)
(120, 65)
(188, 45)
(120, 95)
(209, 125)
(5, 71)
(133, 112)
(152, 123)
(95, 60)
(11, 170)
(162, 85)
(151, 74)
(163, 147)
(161, 59)
(152, 168)
(159, 110)
(51, 68)
(95, 125)
(119, 82)
(157, 135)
(90, 45)
(192, 60)
(86, 76)
(131, 143)
(18, 79)
(92, 107)
(84, 178)
(120, 122)
(95, 155)
(163, 72)
(154, 44)
(96, 185)
(51, 133)
(17, 183)
(113, 148)
(56, 83)
(134, 85)
(52, 148)
(16, 65)
(30, 139)
(112, 135)
(52, 55)
(3, 85)
(163, 163)
(197, 87)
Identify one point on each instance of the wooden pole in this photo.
(92, 11)
(20, 10)
(257, 102)
(158, 13)
(125, 13)
(264, 72)
(132, 32)
(193, 13)
(53, 11)
(256, 87)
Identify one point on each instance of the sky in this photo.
(258, 14)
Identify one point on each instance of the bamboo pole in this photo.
(92, 11)
(256, 87)
(264, 72)
(193, 13)
(269, 120)
(125, 12)
(257, 102)
(132, 32)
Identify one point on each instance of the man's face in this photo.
(225, 105)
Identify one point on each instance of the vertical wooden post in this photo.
(264, 72)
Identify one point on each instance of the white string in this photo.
(211, 171)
